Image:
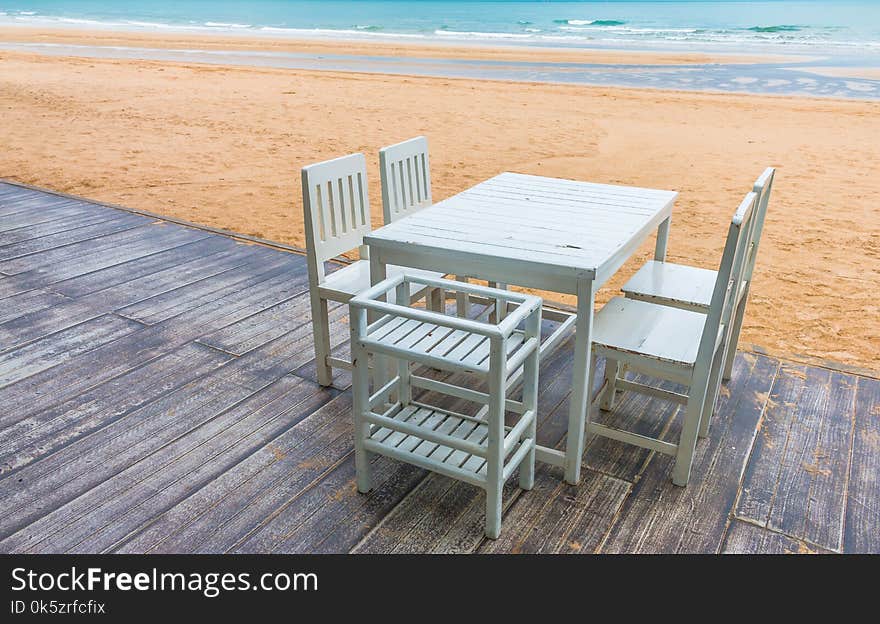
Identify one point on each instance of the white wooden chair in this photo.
(690, 288)
(405, 171)
(682, 346)
(472, 443)
(336, 209)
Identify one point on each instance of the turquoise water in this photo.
(852, 26)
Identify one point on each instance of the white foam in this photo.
(858, 86)
(306, 32)
(479, 35)
(227, 25)
(629, 29)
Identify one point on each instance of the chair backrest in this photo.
(406, 178)
(763, 186)
(336, 209)
(730, 275)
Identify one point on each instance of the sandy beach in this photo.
(223, 146)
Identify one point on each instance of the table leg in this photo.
(662, 239)
(580, 394)
(377, 269)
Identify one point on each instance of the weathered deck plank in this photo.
(63, 477)
(178, 469)
(747, 539)
(10, 249)
(124, 272)
(274, 273)
(226, 511)
(273, 322)
(44, 390)
(863, 501)
(64, 225)
(49, 430)
(43, 322)
(11, 285)
(16, 364)
(95, 259)
(31, 212)
(177, 281)
(796, 481)
(142, 236)
(266, 325)
(206, 432)
(23, 303)
(13, 203)
(663, 518)
(561, 518)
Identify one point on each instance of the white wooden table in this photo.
(536, 232)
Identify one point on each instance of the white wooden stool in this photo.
(472, 443)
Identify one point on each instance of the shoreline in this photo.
(638, 90)
(395, 48)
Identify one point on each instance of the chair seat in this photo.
(671, 284)
(345, 283)
(657, 332)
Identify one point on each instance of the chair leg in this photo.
(687, 443)
(711, 394)
(436, 300)
(527, 467)
(591, 380)
(493, 509)
(321, 339)
(360, 404)
(612, 373)
(500, 310)
(733, 338)
(462, 300)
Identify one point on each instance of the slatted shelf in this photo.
(442, 347)
(424, 446)
(416, 449)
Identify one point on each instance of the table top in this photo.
(531, 224)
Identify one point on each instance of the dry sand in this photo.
(223, 147)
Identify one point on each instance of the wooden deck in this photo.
(157, 394)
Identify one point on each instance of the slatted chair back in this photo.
(336, 207)
(730, 275)
(763, 186)
(406, 178)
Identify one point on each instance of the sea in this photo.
(825, 35)
(706, 24)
